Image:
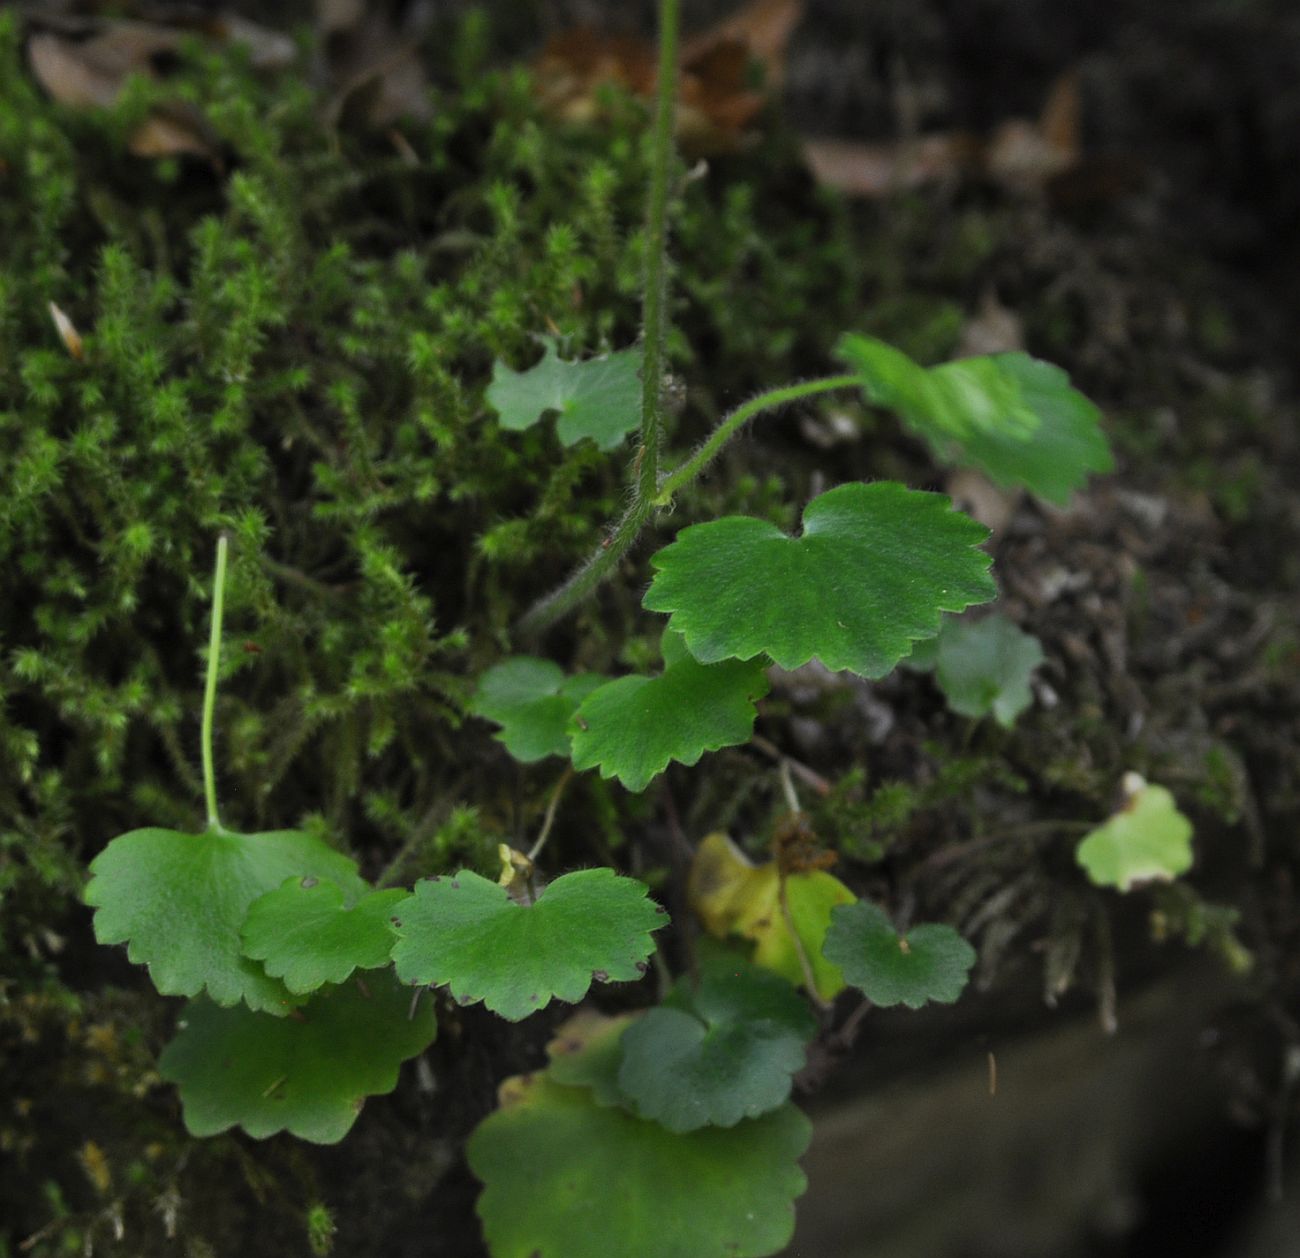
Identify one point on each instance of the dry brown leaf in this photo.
(716, 103)
(763, 28)
(876, 170)
(1019, 153)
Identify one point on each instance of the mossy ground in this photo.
(292, 344)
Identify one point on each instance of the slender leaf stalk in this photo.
(210, 685)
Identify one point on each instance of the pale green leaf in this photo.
(565, 1177)
(533, 701)
(178, 901)
(1014, 417)
(719, 1051)
(928, 962)
(1148, 840)
(466, 933)
(304, 934)
(308, 1074)
(632, 727)
(984, 667)
(599, 398)
(873, 570)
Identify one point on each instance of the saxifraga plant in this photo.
(668, 1132)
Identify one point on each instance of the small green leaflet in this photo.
(466, 933)
(178, 902)
(533, 702)
(875, 567)
(1014, 417)
(307, 1074)
(929, 962)
(1148, 840)
(305, 935)
(984, 667)
(722, 1051)
(565, 1177)
(599, 398)
(632, 727)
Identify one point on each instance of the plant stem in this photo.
(549, 820)
(546, 611)
(723, 433)
(210, 685)
(655, 295)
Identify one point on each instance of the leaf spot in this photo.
(308, 883)
(601, 976)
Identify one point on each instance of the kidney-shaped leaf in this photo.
(985, 666)
(178, 902)
(533, 702)
(718, 1052)
(466, 933)
(631, 728)
(304, 934)
(929, 962)
(1014, 417)
(565, 1177)
(872, 571)
(1148, 840)
(307, 1074)
(599, 398)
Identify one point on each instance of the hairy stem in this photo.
(546, 611)
(210, 685)
(723, 433)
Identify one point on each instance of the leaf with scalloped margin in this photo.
(466, 933)
(719, 1051)
(872, 571)
(598, 398)
(732, 896)
(1014, 417)
(929, 962)
(565, 1177)
(632, 727)
(533, 702)
(304, 934)
(1148, 840)
(308, 1074)
(984, 667)
(178, 902)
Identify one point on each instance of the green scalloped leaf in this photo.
(308, 1074)
(717, 1052)
(873, 570)
(565, 1177)
(466, 933)
(1148, 840)
(984, 667)
(929, 962)
(632, 727)
(599, 398)
(178, 901)
(533, 702)
(1014, 417)
(304, 934)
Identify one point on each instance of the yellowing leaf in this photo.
(732, 896)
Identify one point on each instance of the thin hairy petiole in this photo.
(210, 685)
(549, 819)
(546, 611)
